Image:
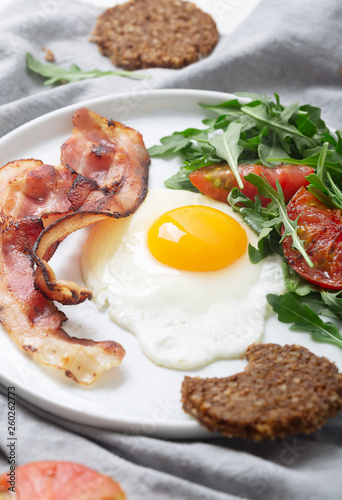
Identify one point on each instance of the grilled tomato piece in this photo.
(217, 181)
(320, 228)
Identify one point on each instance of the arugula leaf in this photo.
(270, 133)
(321, 301)
(321, 167)
(321, 191)
(294, 282)
(181, 179)
(170, 144)
(338, 145)
(233, 104)
(290, 310)
(256, 97)
(314, 301)
(257, 217)
(258, 254)
(333, 300)
(270, 147)
(227, 147)
(314, 114)
(254, 219)
(280, 124)
(54, 74)
(322, 185)
(304, 124)
(290, 226)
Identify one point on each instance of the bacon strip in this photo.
(29, 187)
(65, 292)
(33, 321)
(112, 163)
(111, 155)
(105, 174)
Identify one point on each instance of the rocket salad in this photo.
(262, 135)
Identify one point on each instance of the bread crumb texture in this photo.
(49, 56)
(284, 390)
(155, 33)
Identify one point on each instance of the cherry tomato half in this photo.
(216, 181)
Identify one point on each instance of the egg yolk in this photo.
(196, 238)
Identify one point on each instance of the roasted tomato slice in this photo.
(50, 480)
(216, 181)
(321, 228)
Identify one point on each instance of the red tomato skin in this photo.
(57, 480)
(320, 228)
(216, 181)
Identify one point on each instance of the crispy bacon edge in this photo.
(35, 325)
(34, 322)
(65, 292)
(117, 194)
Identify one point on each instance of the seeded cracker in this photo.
(155, 33)
(283, 390)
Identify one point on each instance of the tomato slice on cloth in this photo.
(216, 181)
(52, 480)
(321, 228)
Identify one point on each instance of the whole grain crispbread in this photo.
(284, 390)
(155, 33)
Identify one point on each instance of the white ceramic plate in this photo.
(139, 396)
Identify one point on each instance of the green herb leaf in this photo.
(321, 191)
(290, 310)
(255, 97)
(270, 147)
(263, 221)
(170, 144)
(181, 179)
(290, 227)
(322, 185)
(233, 105)
(280, 124)
(333, 300)
(314, 115)
(54, 74)
(294, 282)
(270, 134)
(227, 147)
(304, 124)
(257, 254)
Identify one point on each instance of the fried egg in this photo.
(176, 273)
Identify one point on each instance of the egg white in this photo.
(182, 319)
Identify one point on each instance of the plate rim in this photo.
(99, 100)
